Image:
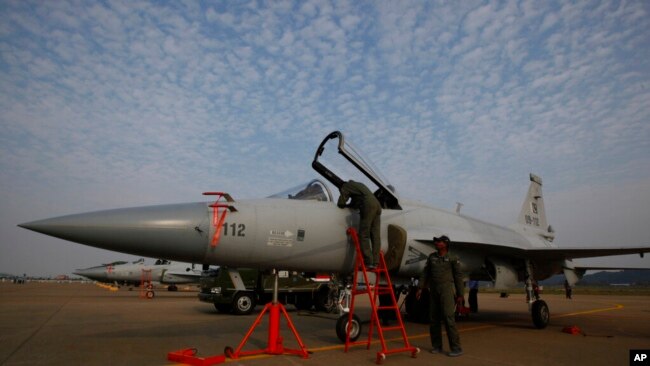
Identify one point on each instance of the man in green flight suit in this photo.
(443, 277)
(362, 199)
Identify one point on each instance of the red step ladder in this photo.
(379, 288)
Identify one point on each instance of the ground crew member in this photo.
(362, 199)
(444, 279)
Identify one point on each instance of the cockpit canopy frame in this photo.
(385, 192)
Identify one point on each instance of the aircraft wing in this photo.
(545, 253)
(601, 268)
(573, 253)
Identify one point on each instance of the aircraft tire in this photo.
(541, 314)
(172, 288)
(342, 325)
(243, 303)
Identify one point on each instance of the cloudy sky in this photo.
(112, 104)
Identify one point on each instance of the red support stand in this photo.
(188, 356)
(274, 342)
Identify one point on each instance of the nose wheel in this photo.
(342, 328)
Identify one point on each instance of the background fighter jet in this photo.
(302, 229)
(162, 271)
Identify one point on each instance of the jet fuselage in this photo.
(292, 234)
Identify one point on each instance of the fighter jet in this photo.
(302, 229)
(132, 274)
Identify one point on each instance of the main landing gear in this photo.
(538, 308)
(541, 315)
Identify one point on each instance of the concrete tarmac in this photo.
(83, 324)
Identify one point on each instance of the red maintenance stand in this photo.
(274, 344)
(382, 286)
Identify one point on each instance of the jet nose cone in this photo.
(81, 272)
(40, 226)
(94, 273)
(60, 227)
(171, 231)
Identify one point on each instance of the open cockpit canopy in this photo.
(354, 167)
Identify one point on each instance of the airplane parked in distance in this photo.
(302, 229)
(132, 274)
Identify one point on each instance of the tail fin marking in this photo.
(533, 214)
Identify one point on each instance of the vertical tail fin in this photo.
(533, 215)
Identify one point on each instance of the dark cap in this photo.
(442, 238)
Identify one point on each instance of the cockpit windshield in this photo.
(313, 190)
(354, 167)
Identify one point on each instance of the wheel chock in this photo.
(188, 356)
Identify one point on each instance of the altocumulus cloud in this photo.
(121, 103)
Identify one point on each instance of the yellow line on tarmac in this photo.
(615, 307)
(423, 335)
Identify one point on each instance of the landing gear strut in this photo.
(538, 308)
